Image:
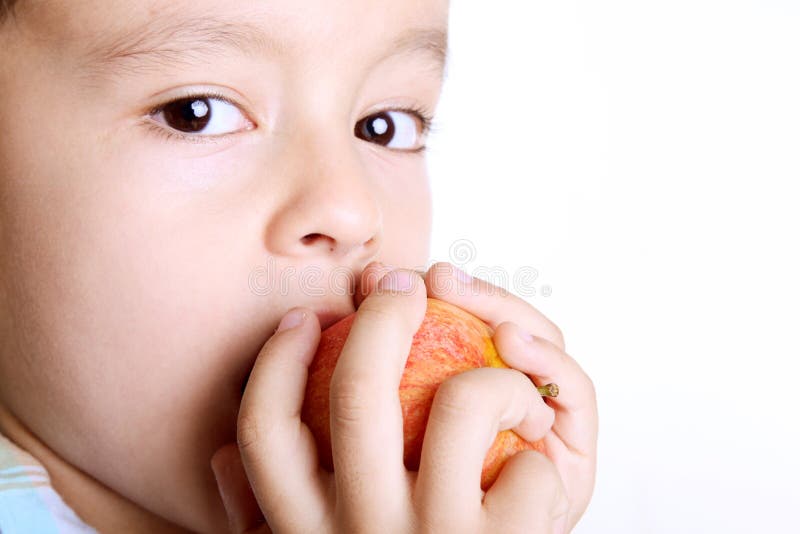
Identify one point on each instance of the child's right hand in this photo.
(371, 490)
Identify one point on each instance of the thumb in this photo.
(244, 514)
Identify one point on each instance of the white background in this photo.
(644, 157)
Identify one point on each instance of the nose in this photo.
(331, 206)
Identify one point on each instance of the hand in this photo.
(526, 340)
(370, 490)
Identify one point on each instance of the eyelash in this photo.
(168, 134)
(425, 118)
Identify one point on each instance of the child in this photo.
(176, 179)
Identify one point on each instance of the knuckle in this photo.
(385, 316)
(376, 313)
(557, 336)
(247, 431)
(350, 402)
(550, 332)
(457, 396)
(544, 474)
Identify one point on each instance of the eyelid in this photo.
(188, 93)
(420, 112)
(163, 98)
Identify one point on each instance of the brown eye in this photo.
(202, 114)
(400, 130)
(188, 114)
(378, 128)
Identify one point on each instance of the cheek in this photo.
(109, 291)
(407, 211)
(136, 318)
(131, 301)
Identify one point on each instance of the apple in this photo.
(449, 341)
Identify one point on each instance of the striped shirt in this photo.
(28, 502)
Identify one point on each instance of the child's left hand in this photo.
(571, 443)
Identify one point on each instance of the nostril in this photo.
(311, 237)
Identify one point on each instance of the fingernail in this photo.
(373, 273)
(523, 335)
(292, 319)
(462, 276)
(397, 280)
(220, 478)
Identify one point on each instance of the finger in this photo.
(576, 406)
(277, 450)
(572, 445)
(240, 504)
(468, 411)
(528, 496)
(366, 417)
(489, 302)
(368, 280)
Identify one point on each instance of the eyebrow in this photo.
(162, 44)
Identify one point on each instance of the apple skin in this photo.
(449, 341)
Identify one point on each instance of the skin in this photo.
(129, 315)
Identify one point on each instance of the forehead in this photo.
(105, 38)
(297, 23)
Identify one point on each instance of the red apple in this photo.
(449, 341)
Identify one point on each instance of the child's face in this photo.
(141, 271)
